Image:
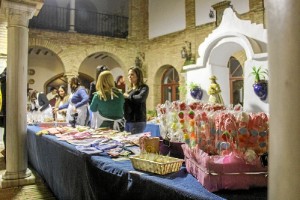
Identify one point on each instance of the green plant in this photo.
(182, 89)
(194, 85)
(259, 74)
(188, 87)
(151, 114)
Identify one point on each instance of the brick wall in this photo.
(160, 52)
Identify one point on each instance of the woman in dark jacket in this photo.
(135, 102)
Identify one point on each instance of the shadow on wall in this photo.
(255, 108)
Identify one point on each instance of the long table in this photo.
(73, 175)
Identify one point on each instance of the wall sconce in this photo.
(211, 14)
(186, 51)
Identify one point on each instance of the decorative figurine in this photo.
(214, 92)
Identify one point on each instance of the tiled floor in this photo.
(39, 190)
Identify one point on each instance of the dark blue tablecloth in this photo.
(73, 175)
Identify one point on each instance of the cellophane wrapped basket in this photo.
(223, 145)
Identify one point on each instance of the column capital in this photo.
(24, 8)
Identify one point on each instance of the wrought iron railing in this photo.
(57, 18)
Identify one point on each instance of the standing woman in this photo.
(63, 97)
(40, 106)
(107, 104)
(92, 90)
(78, 103)
(135, 102)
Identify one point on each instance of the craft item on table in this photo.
(42, 132)
(134, 149)
(51, 131)
(82, 135)
(149, 144)
(67, 135)
(108, 145)
(86, 142)
(118, 151)
(135, 137)
(88, 150)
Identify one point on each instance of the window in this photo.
(236, 81)
(169, 85)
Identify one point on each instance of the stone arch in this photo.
(89, 64)
(108, 51)
(33, 42)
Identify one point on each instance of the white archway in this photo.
(233, 35)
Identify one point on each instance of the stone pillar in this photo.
(18, 15)
(72, 16)
(284, 71)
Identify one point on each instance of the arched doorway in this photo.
(169, 85)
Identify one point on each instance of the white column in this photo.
(284, 71)
(16, 172)
(72, 16)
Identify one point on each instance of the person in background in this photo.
(52, 95)
(63, 97)
(92, 90)
(135, 102)
(120, 83)
(78, 103)
(107, 104)
(3, 108)
(40, 106)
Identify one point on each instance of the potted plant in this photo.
(260, 85)
(195, 90)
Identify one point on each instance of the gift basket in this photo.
(222, 147)
(155, 163)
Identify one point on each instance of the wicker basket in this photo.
(169, 166)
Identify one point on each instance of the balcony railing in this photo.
(57, 18)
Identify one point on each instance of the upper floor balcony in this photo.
(80, 21)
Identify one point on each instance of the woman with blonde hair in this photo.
(107, 103)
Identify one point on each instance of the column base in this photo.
(28, 179)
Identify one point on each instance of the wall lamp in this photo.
(211, 14)
(186, 51)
